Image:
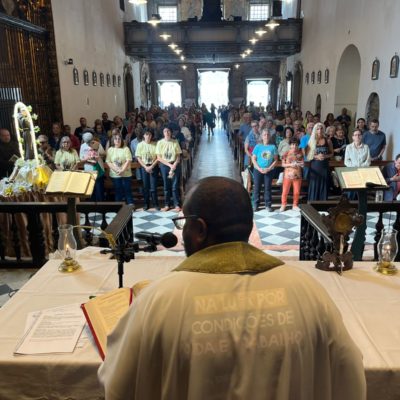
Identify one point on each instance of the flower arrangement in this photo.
(28, 175)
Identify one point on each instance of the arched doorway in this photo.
(347, 81)
(372, 107)
(318, 105)
(297, 84)
(129, 99)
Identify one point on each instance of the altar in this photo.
(368, 302)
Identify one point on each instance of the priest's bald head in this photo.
(217, 210)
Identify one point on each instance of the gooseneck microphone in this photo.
(167, 239)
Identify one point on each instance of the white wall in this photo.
(329, 26)
(91, 33)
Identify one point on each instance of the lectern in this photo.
(362, 181)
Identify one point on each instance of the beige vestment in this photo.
(233, 323)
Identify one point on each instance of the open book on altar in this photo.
(361, 178)
(71, 182)
(103, 312)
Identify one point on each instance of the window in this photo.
(122, 5)
(259, 12)
(168, 13)
(257, 92)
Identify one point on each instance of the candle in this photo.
(67, 252)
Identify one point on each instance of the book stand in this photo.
(361, 188)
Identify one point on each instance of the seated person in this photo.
(230, 322)
(391, 172)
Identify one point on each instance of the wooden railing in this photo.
(31, 229)
(315, 239)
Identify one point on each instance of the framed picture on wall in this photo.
(319, 76)
(101, 79)
(394, 66)
(313, 77)
(94, 78)
(375, 70)
(108, 80)
(307, 78)
(85, 77)
(327, 75)
(75, 76)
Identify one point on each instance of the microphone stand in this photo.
(125, 252)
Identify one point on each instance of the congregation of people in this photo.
(283, 147)
(292, 149)
(157, 139)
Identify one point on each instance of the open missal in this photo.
(358, 178)
(103, 313)
(71, 182)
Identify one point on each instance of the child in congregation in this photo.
(292, 162)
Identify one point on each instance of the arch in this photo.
(318, 105)
(372, 107)
(348, 81)
(297, 84)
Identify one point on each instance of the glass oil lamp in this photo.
(387, 251)
(67, 247)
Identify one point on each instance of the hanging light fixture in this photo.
(272, 24)
(260, 32)
(154, 20)
(173, 46)
(165, 36)
(178, 51)
(253, 40)
(183, 58)
(237, 66)
(248, 51)
(184, 66)
(243, 55)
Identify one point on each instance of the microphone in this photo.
(166, 239)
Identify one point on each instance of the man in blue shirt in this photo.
(303, 146)
(375, 139)
(245, 128)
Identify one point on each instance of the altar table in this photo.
(368, 302)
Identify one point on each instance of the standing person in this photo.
(375, 139)
(245, 325)
(147, 158)
(107, 124)
(344, 119)
(339, 143)
(292, 162)
(92, 156)
(75, 142)
(264, 157)
(81, 128)
(169, 156)
(391, 173)
(66, 158)
(252, 139)
(284, 145)
(361, 125)
(8, 149)
(46, 151)
(356, 155)
(319, 151)
(55, 135)
(119, 159)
